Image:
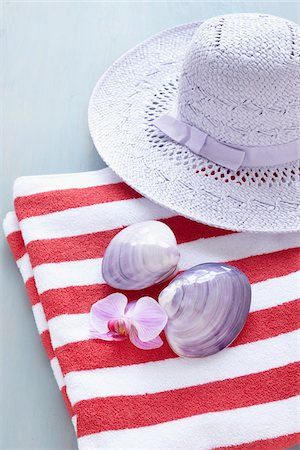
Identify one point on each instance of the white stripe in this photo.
(74, 422)
(57, 372)
(10, 223)
(65, 274)
(218, 249)
(234, 246)
(40, 318)
(29, 185)
(38, 311)
(69, 328)
(275, 291)
(91, 219)
(177, 373)
(25, 268)
(217, 429)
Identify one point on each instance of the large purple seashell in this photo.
(140, 255)
(207, 307)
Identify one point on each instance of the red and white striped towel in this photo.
(121, 397)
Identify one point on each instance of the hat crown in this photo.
(240, 80)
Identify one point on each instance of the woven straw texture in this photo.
(238, 88)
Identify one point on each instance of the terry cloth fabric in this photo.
(121, 397)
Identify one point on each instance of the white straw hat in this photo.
(205, 120)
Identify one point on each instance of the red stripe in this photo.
(18, 250)
(115, 413)
(46, 341)
(74, 248)
(67, 401)
(93, 354)
(16, 244)
(270, 322)
(60, 200)
(271, 265)
(187, 230)
(32, 291)
(93, 245)
(277, 443)
(79, 299)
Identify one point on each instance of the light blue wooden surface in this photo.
(52, 54)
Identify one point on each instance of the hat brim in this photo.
(139, 87)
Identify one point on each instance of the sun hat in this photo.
(204, 119)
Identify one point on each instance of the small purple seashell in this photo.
(141, 255)
(207, 307)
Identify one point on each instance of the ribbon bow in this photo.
(232, 158)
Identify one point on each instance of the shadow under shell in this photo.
(207, 307)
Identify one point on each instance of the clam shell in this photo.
(207, 307)
(139, 256)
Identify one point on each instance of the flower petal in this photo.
(109, 308)
(149, 345)
(110, 336)
(148, 318)
(129, 308)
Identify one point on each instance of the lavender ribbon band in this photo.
(230, 157)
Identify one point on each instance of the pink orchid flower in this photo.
(114, 319)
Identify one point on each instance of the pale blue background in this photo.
(52, 54)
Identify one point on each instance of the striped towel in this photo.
(120, 397)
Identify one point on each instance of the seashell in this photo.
(207, 307)
(141, 255)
